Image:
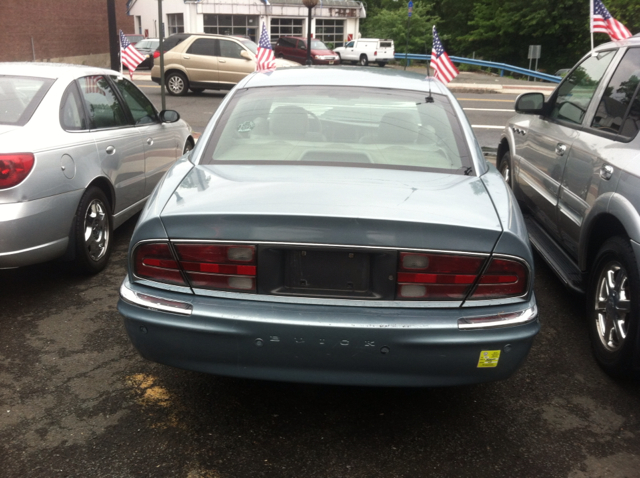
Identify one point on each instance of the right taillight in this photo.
(14, 168)
(436, 276)
(502, 278)
(156, 53)
(427, 276)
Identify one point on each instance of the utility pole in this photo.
(160, 37)
(114, 39)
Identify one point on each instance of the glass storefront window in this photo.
(331, 32)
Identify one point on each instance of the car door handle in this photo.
(561, 149)
(186, 57)
(149, 141)
(110, 150)
(606, 172)
(222, 61)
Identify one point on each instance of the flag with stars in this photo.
(442, 65)
(130, 57)
(265, 59)
(603, 22)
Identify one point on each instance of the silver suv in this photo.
(573, 162)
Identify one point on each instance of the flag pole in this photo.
(591, 22)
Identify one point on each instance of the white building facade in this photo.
(333, 21)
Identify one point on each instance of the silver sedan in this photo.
(81, 149)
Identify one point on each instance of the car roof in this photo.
(343, 76)
(632, 41)
(51, 70)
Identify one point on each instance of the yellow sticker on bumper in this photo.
(489, 358)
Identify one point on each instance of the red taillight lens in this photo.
(375, 53)
(14, 168)
(156, 54)
(228, 267)
(436, 276)
(156, 262)
(503, 278)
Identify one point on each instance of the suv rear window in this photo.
(365, 127)
(20, 97)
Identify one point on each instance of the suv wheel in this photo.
(177, 84)
(505, 169)
(363, 60)
(613, 295)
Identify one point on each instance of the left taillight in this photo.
(502, 278)
(14, 168)
(222, 267)
(156, 53)
(204, 266)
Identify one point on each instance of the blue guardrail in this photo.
(498, 66)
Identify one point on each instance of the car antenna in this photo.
(429, 99)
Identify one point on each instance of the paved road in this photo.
(77, 401)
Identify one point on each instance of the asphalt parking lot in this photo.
(77, 401)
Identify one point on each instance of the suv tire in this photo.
(612, 306)
(177, 84)
(505, 169)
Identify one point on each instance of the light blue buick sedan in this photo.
(335, 226)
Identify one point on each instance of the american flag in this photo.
(444, 68)
(131, 57)
(602, 21)
(266, 60)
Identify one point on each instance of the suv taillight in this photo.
(205, 266)
(454, 277)
(14, 168)
(156, 53)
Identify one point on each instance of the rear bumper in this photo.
(324, 344)
(36, 231)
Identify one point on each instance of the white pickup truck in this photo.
(365, 50)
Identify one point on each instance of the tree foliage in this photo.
(498, 30)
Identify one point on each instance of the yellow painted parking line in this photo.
(148, 86)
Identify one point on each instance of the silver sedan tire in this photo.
(94, 227)
(505, 169)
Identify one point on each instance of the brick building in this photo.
(70, 31)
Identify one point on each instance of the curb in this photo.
(511, 89)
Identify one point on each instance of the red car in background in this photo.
(295, 48)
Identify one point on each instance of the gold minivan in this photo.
(205, 61)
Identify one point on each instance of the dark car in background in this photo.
(134, 37)
(147, 47)
(295, 49)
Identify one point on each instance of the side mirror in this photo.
(530, 103)
(169, 116)
(245, 54)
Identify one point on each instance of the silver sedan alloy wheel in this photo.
(96, 230)
(612, 306)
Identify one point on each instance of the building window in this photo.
(176, 23)
(286, 27)
(330, 32)
(242, 25)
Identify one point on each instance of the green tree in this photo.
(392, 23)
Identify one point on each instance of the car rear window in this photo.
(366, 127)
(20, 97)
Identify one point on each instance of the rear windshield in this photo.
(366, 127)
(20, 96)
(148, 44)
